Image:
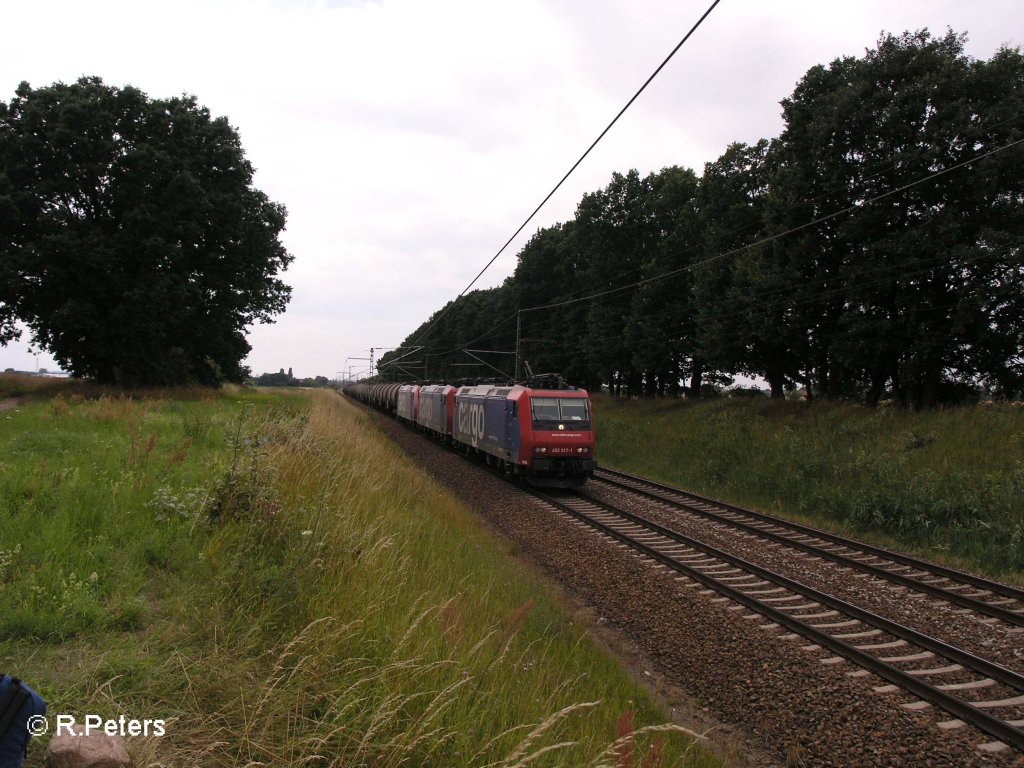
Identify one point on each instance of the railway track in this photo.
(973, 690)
(982, 596)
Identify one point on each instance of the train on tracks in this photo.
(541, 431)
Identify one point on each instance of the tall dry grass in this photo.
(400, 635)
(276, 581)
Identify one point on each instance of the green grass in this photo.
(271, 576)
(948, 484)
(81, 488)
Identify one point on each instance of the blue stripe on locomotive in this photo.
(513, 430)
(498, 434)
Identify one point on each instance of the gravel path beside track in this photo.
(781, 704)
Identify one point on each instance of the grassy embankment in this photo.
(948, 484)
(271, 577)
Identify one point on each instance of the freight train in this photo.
(542, 432)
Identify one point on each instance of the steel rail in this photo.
(995, 587)
(996, 611)
(984, 721)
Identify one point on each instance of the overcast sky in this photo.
(408, 139)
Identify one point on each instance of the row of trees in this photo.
(875, 246)
(283, 379)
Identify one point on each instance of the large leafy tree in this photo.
(745, 292)
(660, 330)
(922, 283)
(132, 242)
(616, 228)
(551, 270)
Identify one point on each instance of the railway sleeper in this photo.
(787, 599)
(837, 624)
(986, 682)
(928, 671)
(921, 656)
(881, 646)
(802, 607)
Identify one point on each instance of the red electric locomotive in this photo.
(543, 435)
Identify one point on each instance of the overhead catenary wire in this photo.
(757, 243)
(875, 174)
(672, 333)
(570, 171)
(825, 194)
(779, 235)
(567, 355)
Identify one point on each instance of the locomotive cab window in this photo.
(545, 408)
(573, 410)
(549, 412)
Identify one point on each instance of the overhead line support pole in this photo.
(519, 328)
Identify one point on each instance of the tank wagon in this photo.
(543, 433)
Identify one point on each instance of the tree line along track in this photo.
(989, 598)
(878, 645)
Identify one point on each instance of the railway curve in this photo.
(990, 598)
(842, 628)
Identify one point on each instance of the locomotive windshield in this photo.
(549, 412)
